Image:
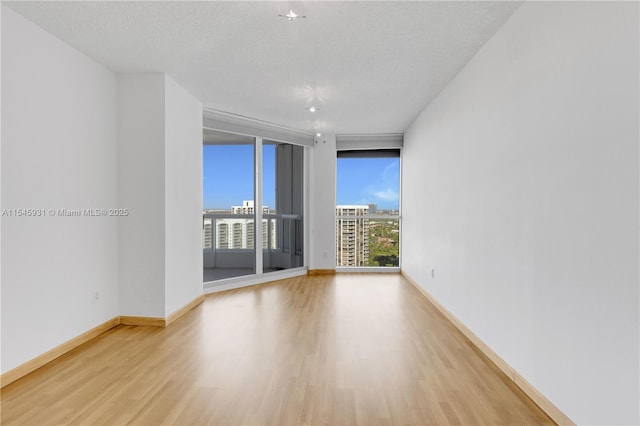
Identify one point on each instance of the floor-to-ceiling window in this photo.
(368, 209)
(253, 198)
(228, 215)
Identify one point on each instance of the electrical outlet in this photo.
(433, 273)
(95, 296)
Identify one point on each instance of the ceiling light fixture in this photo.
(312, 109)
(291, 16)
(318, 135)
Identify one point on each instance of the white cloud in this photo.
(387, 194)
(391, 172)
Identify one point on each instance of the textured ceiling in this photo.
(370, 67)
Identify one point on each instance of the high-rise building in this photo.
(352, 235)
(247, 207)
(208, 236)
(238, 233)
(223, 235)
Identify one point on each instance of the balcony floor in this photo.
(215, 274)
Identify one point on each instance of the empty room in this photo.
(320, 213)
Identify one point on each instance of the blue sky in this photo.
(228, 178)
(228, 175)
(368, 181)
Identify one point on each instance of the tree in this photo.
(387, 260)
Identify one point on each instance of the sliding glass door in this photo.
(229, 216)
(283, 194)
(253, 191)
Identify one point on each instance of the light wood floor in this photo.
(325, 350)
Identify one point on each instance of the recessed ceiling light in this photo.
(318, 135)
(312, 109)
(291, 16)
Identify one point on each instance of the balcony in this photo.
(229, 245)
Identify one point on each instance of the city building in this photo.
(236, 233)
(207, 232)
(239, 234)
(247, 208)
(352, 235)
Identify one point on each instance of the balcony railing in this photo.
(229, 240)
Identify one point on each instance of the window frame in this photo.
(219, 121)
(371, 152)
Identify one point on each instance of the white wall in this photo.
(58, 152)
(76, 136)
(160, 182)
(322, 204)
(183, 197)
(521, 190)
(141, 189)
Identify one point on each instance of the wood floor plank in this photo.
(346, 349)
